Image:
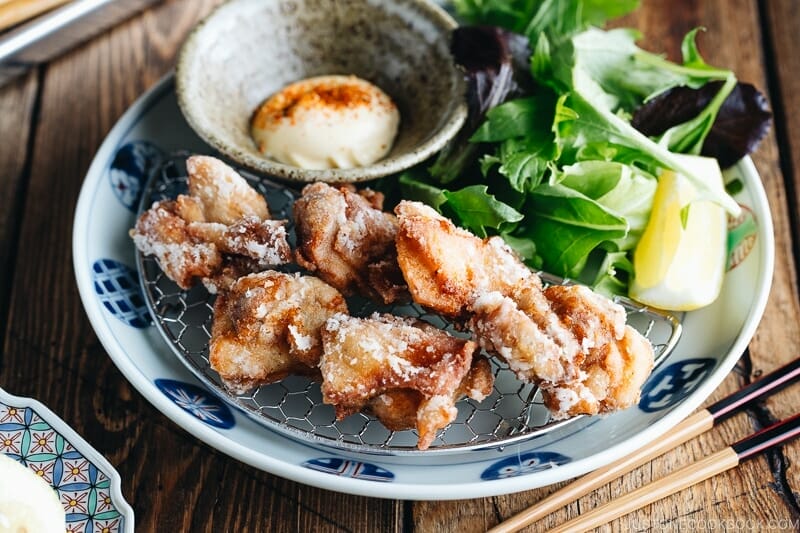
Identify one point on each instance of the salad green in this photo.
(550, 159)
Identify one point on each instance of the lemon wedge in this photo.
(27, 503)
(680, 267)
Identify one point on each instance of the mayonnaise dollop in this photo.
(326, 122)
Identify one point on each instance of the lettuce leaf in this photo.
(567, 225)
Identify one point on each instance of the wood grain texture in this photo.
(52, 122)
(17, 103)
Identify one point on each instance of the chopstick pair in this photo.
(693, 426)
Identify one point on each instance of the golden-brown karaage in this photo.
(267, 326)
(345, 240)
(573, 343)
(445, 266)
(384, 355)
(218, 232)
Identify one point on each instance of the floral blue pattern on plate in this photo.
(718, 333)
(673, 383)
(129, 171)
(87, 485)
(198, 402)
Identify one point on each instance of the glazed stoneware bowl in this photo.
(246, 50)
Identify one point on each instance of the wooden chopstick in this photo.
(15, 11)
(714, 464)
(693, 426)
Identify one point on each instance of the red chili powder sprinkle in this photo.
(326, 94)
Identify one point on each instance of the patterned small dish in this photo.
(247, 50)
(86, 483)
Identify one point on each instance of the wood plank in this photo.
(732, 39)
(782, 20)
(17, 101)
(174, 482)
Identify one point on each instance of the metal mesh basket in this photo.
(514, 412)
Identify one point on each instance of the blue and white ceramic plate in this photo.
(713, 338)
(87, 485)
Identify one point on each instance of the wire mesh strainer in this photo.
(513, 413)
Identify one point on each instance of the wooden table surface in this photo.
(52, 121)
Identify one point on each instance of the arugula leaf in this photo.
(472, 207)
(526, 147)
(478, 210)
(524, 168)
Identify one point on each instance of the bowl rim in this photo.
(269, 167)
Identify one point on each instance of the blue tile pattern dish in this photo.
(87, 485)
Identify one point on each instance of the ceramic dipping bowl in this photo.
(246, 50)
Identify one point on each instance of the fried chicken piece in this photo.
(347, 242)
(226, 197)
(368, 357)
(401, 409)
(595, 365)
(445, 266)
(591, 317)
(570, 341)
(612, 378)
(263, 241)
(198, 236)
(160, 231)
(267, 326)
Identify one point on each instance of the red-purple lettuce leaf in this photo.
(742, 121)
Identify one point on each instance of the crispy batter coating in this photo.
(220, 229)
(401, 409)
(263, 241)
(445, 266)
(161, 232)
(364, 358)
(612, 378)
(570, 341)
(348, 242)
(267, 326)
(225, 196)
